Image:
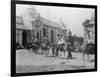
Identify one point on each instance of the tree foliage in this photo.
(78, 39)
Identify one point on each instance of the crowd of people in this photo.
(43, 47)
(35, 45)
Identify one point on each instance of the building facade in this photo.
(41, 29)
(89, 30)
(45, 28)
(23, 34)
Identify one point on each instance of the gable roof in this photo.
(88, 22)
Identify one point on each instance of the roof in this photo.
(88, 22)
(20, 24)
(49, 22)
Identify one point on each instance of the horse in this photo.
(36, 47)
(45, 46)
(33, 47)
(60, 48)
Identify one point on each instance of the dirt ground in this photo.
(29, 62)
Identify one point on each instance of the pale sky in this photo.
(72, 17)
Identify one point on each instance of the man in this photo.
(69, 49)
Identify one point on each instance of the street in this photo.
(30, 62)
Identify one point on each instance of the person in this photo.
(30, 45)
(24, 44)
(76, 48)
(69, 49)
(45, 39)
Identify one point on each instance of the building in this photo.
(23, 34)
(89, 30)
(45, 28)
(41, 28)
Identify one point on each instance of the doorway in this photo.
(24, 38)
(52, 38)
(44, 32)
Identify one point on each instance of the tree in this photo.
(78, 39)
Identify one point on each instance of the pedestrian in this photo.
(69, 49)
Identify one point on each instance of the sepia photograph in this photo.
(54, 38)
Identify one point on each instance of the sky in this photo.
(72, 17)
